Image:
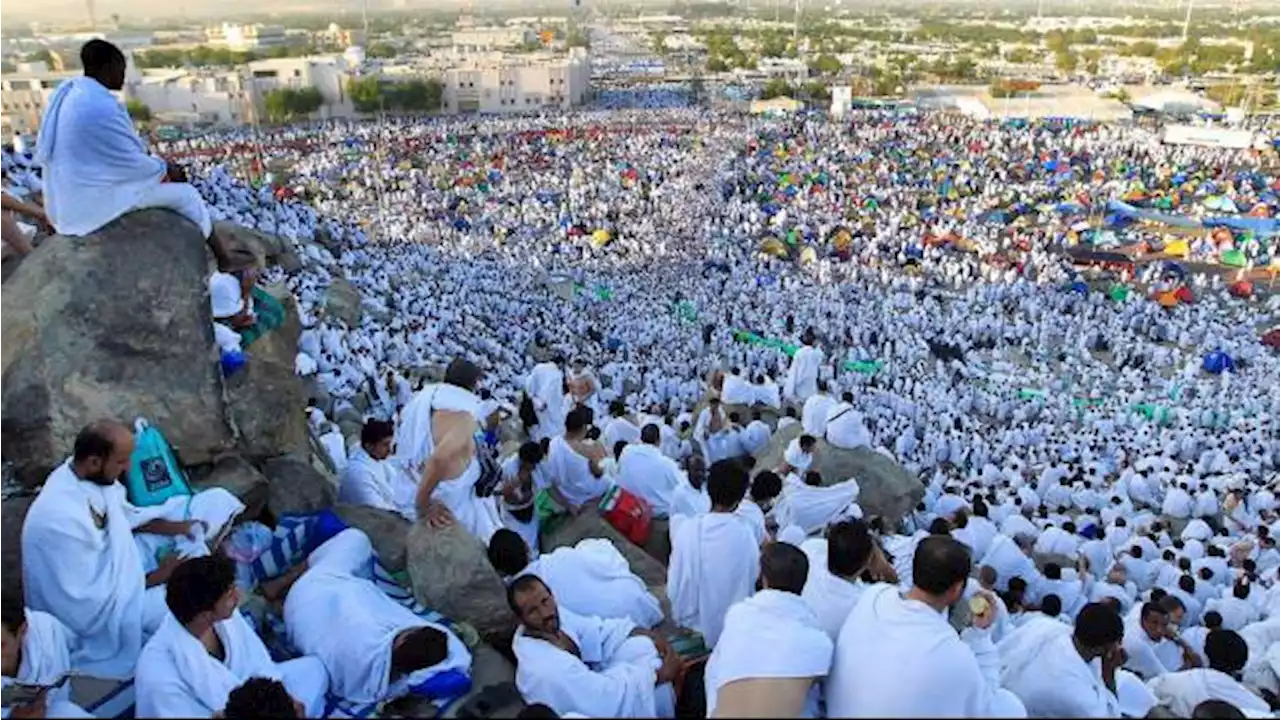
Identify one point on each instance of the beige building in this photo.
(23, 97)
(245, 37)
(482, 39)
(518, 83)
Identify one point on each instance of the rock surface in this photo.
(342, 301)
(114, 324)
(885, 488)
(296, 486)
(387, 531)
(591, 525)
(239, 477)
(13, 512)
(265, 398)
(246, 246)
(451, 574)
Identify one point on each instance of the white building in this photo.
(327, 73)
(24, 96)
(245, 37)
(517, 84)
(179, 97)
(482, 39)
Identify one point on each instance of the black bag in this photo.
(490, 471)
(528, 415)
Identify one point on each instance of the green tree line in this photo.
(372, 94)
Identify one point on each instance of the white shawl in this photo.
(771, 634)
(414, 441)
(177, 677)
(614, 678)
(95, 165)
(802, 375)
(645, 471)
(88, 576)
(714, 563)
(46, 659)
(813, 508)
(593, 579)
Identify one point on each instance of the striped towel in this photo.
(290, 547)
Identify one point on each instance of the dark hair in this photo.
(618, 447)
(1241, 590)
(848, 547)
(260, 697)
(940, 562)
(13, 613)
(1213, 620)
(1226, 651)
(197, 584)
(1153, 608)
(508, 552)
(650, 434)
(519, 585)
(1051, 605)
(766, 486)
(422, 647)
(375, 431)
(531, 453)
(940, 526)
(1187, 584)
(1170, 603)
(784, 567)
(1217, 710)
(98, 54)
(93, 441)
(463, 373)
(536, 711)
(1098, 625)
(617, 408)
(726, 483)
(578, 418)
(1053, 571)
(807, 441)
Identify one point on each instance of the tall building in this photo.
(497, 83)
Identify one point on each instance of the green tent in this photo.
(1030, 394)
(1119, 293)
(603, 293)
(866, 367)
(686, 311)
(1234, 258)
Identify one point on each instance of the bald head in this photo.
(102, 451)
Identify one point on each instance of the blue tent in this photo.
(461, 224)
(1262, 227)
(1218, 362)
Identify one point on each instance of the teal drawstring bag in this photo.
(154, 474)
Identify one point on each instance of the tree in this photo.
(1023, 54)
(286, 104)
(1066, 61)
(1142, 48)
(827, 64)
(1056, 41)
(776, 87)
(717, 64)
(577, 38)
(415, 95)
(138, 111)
(660, 42)
(817, 91)
(366, 94)
(381, 50)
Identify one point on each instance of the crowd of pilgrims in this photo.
(587, 278)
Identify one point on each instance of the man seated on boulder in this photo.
(593, 666)
(591, 578)
(242, 308)
(96, 168)
(373, 648)
(370, 480)
(98, 563)
(37, 652)
(206, 649)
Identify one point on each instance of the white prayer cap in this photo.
(224, 293)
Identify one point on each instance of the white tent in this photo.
(1177, 102)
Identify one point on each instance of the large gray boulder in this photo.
(885, 488)
(591, 525)
(238, 246)
(296, 486)
(451, 574)
(342, 301)
(386, 530)
(13, 512)
(238, 477)
(114, 324)
(265, 399)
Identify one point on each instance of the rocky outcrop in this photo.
(237, 476)
(387, 531)
(591, 525)
(885, 488)
(296, 486)
(265, 399)
(237, 247)
(13, 511)
(342, 301)
(114, 324)
(451, 574)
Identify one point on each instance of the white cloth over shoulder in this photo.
(593, 579)
(1182, 691)
(376, 483)
(648, 473)
(832, 598)
(177, 677)
(356, 652)
(814, 508)
(614, 677)
(1040, 664)
(772, 634)
(46, 659)
(714, 563)
(802, 375)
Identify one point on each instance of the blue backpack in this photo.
(154, 474)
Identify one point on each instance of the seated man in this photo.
(37, 651)
(591, 579)
(845, 426)
(242, 308)
(93, 560)
(588, 665)
(95, 165)
(1228, 654)
(261, 697)
(206, 649)
(368, 479)
(1057, 672)
(799, 455)
(647, 473)
(813, 507)
(524, 475)
(773, 650)
(380, 650)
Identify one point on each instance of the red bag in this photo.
(628, 514)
